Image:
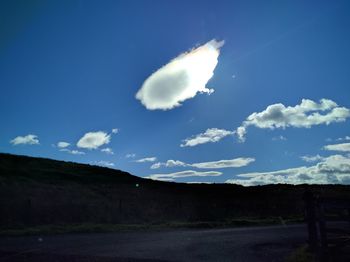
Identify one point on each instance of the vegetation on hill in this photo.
(37, 192)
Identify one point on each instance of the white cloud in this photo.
(236, 162)
(169, 163)
(305, 115)
(199, 182)
(310, 159)
(181, 79)
(63, 144)
(210, 135)
(344, 147)
(187, 173)
(104, 163)
(93, 140)
(73, 152)
(146, 159)
(166, 179)
(276, 138)
(334, 169)
(346, 138)
(115, 130)
(25, 140)
(132, 155)
(107, 150)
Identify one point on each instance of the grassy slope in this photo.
(37, 192)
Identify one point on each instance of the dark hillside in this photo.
(37, 191)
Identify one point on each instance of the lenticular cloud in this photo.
(182, 78)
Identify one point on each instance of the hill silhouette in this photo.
(38, 191)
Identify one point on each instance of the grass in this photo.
(301, 254)
(100, 228)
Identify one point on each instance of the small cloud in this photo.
(181, 79)
(310, 159)
(236, 162)
(346, 138)
(104, 163)
(199, 182)
(169, 163)
(344, 147)
(211, 135)
(305, 115)
(115, 130)
(130, 155)
(276, 138)
(25, 140)
(164, 179)
(63, 144)
(93, 140)
(187, 173)
(146, 159)
(73, 152)
(191, 120)
(107, 150)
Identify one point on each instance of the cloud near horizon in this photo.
(211, 135)
(181, 174)
(236, 162)
(73, 152)
(93, 140)
(334, 169)
(63, 144)
(181, 79)
(25, 140)
(104, 163)
(310, 159)
(344, 147)
(146, 159)
(305, 115)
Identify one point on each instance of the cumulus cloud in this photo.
(344, 147)
(93, 140)
(63, 144)
(211, 135)
(73, 152)
(310, 159)
(187, 173)
(146, 159)
(305, 115)
(25, 140)
(236, 162)
(181, 79)
(107, 150)
(334, 169)
(115, 130)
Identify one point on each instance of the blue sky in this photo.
(70, 72)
